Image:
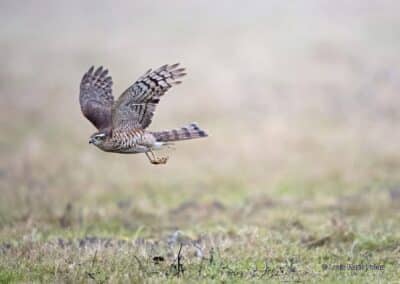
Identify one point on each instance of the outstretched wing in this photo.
(135, 107)
(96, 97)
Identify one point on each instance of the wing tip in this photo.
(173, 66)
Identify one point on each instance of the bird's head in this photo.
(98, 138)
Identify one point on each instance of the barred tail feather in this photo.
(185, 133)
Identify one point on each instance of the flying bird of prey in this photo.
(122, 124)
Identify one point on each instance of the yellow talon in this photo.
(156, 160)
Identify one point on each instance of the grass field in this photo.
(299, 180)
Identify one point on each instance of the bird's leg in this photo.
(148, 156)
(156, 160)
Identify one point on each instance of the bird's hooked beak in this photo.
(91, 141)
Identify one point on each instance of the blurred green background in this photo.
(300, 98)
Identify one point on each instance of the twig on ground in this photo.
(94, 259)
(141, 267)
(180, 265)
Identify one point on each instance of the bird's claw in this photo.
(159, 160)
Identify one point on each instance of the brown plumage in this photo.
(122, 124)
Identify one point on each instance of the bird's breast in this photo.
(135, 140)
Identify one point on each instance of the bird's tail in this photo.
(188, 132)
